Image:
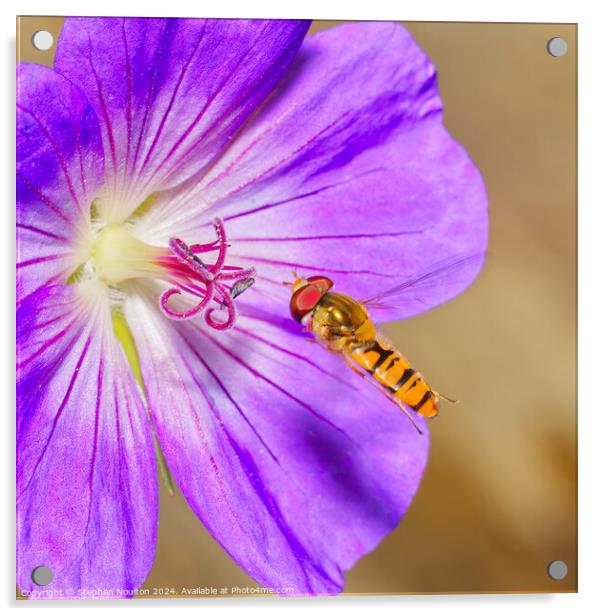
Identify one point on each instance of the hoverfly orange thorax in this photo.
(307, 293)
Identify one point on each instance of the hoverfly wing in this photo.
(448, 272)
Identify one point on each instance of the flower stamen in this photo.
(240, 287)
(185, 255)
(191, 275)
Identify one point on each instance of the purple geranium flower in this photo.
(162, 163)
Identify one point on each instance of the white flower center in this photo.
(118, 255)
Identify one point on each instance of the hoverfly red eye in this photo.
(320, 281)
(304, 300)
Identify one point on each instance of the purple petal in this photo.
(348, 171)
(170, 93)
(295, 465)
(59, 170)
(87, 502)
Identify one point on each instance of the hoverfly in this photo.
(343, 325)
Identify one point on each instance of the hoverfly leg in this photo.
(355, 368)
(450, 400)
(404, 410)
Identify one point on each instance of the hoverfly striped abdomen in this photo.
(393, 371)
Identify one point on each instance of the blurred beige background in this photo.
(498, 500)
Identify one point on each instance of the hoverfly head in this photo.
(307, 292)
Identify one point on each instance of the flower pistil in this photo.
(119, 256)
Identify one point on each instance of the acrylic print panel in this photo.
(187, 425)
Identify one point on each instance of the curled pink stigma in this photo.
(204, 281)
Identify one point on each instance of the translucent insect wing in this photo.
(402, 299)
